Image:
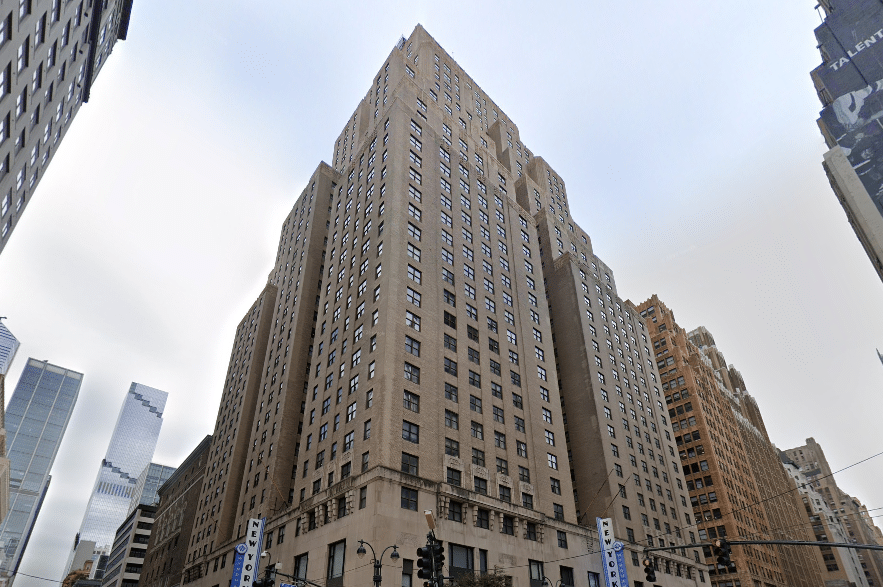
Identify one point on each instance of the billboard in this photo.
(851, 40)
(855, 120)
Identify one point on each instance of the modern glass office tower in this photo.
(8, 347)
(147, 485)
(36, 418)
(129, 452)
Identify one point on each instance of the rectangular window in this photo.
(409, 464)
(410, 432)
(336, 554)
(409, 498)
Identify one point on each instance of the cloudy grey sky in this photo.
(685, 132)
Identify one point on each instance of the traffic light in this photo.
(424, 562)
(722, 551)
(649, 570)
(438, 560)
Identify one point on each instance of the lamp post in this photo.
(361, 552)
(548, 581)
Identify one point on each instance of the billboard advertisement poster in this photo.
(851, 40)
(855, 120)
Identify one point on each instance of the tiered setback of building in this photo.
(738, 489)
(402, 358)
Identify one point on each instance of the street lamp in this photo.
(361, 552)
(548, 581)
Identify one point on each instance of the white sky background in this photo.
(685, 132)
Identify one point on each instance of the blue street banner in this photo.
(612, 555)
(247, 557)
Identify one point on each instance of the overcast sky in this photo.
(685, 133)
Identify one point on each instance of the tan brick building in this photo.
(842, 566)
(810, 458)
(736, 483)
(402, 357)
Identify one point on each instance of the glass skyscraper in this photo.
(36, 419)
(128, 454)
(148, 484)
(8, 346)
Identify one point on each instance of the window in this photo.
(480, 485)
(452, 447)
(411, 401)
(409, 464)
(450, 366)
(527, 500)
(409, 498)
(412, 321)
(521, 448)
(451, 392)
(413, 296)
(452, 420)
(410, 432)
(562, 543)
(455, 509)
(336, 554)
(450, 320)
(552, 460)
(505, 493)
(412, 346)
(477, 430)
(509, 526)
(475, 404)
(482, 519)
(412, 373)
(415, 274)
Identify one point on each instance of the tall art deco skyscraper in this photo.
(402, 357)
(36, 420)
(51, 51)
(128, 454)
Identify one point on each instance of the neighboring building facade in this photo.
(51, 51)
(727, 458)
(36, 419)
(810, 458)
(168, 547)
(8, 348)
(126, 558)
(781, 504)
(849, 83)
(128, 454)
(842, 566)
(401, 359)
(148, 483)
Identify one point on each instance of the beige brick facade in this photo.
(403, 358)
